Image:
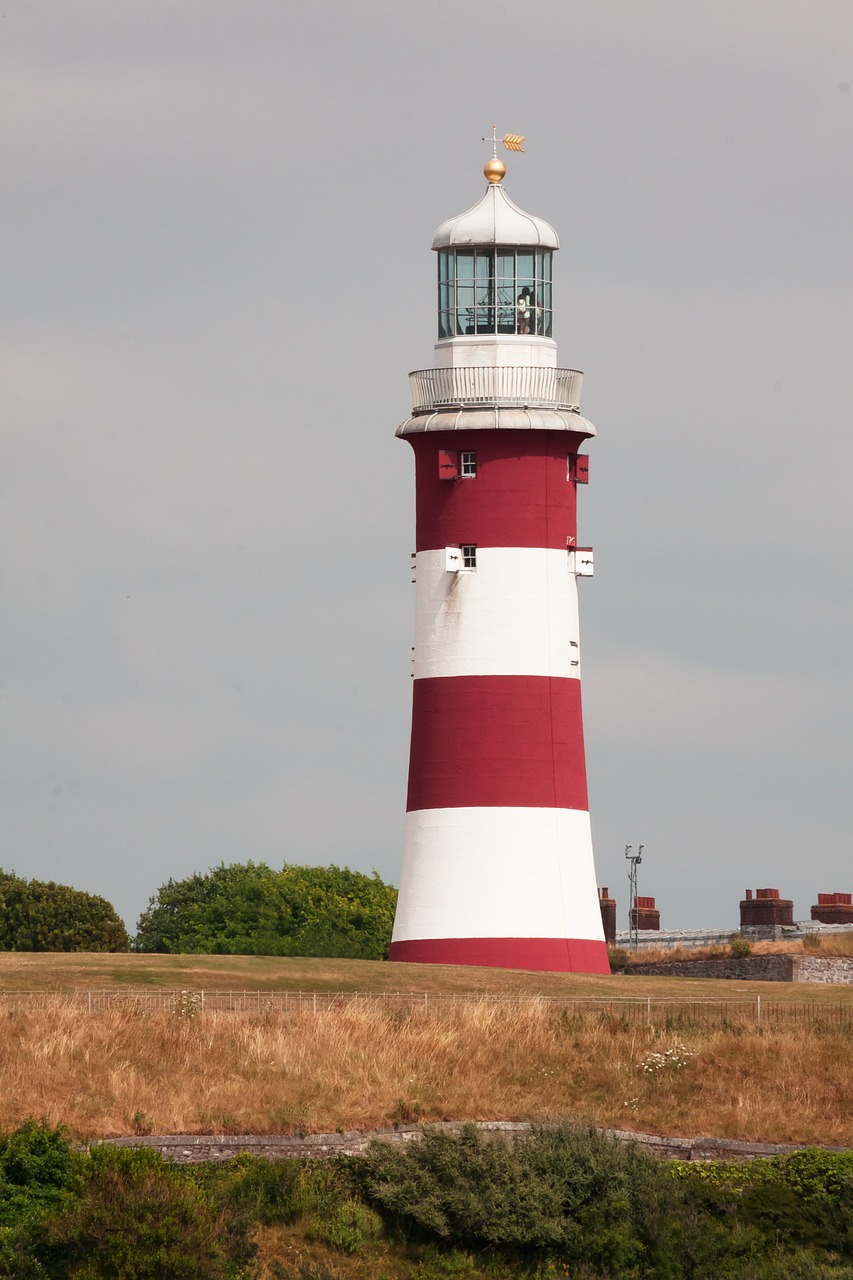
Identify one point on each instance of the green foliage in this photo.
(348, 1227)
(272, 1192)
(39, 915)
(140, 1219)
(249, 909)
(39, 1173)
(740, 947)
(812, 942)
(567, 1192)
(561, 1205)
(802, 1201)
(618, 958)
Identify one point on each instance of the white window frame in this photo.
(468, 464)
(469, 557)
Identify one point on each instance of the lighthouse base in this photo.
(551, 955)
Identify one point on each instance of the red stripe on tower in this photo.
(521, 498)
(497, 740)
(498, 867)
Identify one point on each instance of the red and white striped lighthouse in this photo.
(498, 866)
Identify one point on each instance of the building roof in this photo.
(494, 219)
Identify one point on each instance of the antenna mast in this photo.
(633, 914)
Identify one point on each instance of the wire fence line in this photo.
(756, 1012)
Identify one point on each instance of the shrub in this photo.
(740, 947)
(267, 1191)
(565, 1191)
(618, 958)
(347, 1226)
(140, 1219)
(39, 1173)
(803, 1200)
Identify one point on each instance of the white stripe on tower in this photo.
(499, 873)
(517, 615)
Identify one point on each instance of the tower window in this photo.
(496, 290)
(469, 464)
(469, 556)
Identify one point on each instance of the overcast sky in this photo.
(216, 226)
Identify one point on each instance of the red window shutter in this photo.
(448, 465)
(582, 469)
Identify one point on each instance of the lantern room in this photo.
(495, 269)
(500, 290)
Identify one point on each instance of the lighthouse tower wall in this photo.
(498, 865)
(498, 862)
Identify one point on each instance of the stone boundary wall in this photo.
(200, 1149)
(800, 968)
(835, 969)
(740, 968)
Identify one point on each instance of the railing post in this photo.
(649, 1012)
(758, 1009)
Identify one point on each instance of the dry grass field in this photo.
(123, 1071)
(127, 1069)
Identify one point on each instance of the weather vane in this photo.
(512, 141)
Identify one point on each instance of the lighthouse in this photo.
(497, 864)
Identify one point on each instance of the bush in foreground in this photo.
(116, 1214)
(456, 1206)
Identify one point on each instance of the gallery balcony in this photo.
(488, 386)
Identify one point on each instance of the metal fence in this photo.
(758, 1012)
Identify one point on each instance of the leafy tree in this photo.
(38, 915)
(250, 909)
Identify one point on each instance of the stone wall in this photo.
(823, 969)
(199, 1149)
(800, 968)
(740, 968)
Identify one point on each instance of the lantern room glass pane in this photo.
(498, 291)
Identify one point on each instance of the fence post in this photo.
(426, 1000)
(649, 1012)
(315, 1001)
(758, 1009)
(89, 994)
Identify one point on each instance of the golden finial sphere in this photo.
(494, 170)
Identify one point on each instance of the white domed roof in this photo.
(495, 220)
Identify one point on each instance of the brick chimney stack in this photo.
(647, 916)
(766, 909)
(833, 908)
(608, 915)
